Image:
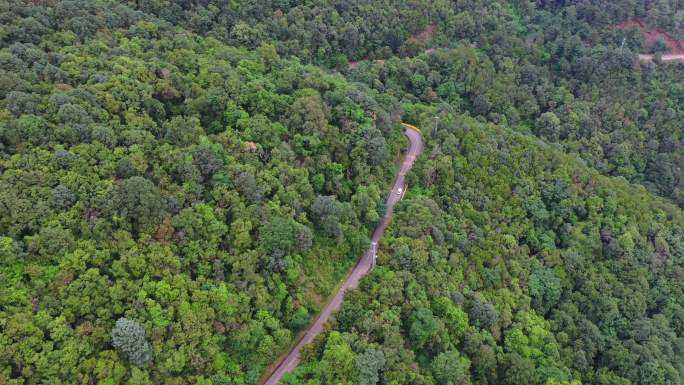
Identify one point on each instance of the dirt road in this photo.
(363, 266)
(665, 56)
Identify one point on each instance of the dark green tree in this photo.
(138, 201)
(129, 339)
(483, 314)
(327, 212)
(369, 364)
(545, 289)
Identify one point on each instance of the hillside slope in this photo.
(512, 263)
(183, 183)
(209, 195)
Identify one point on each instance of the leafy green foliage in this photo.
(522, 266)
(369, 364)
(185, 165)
(450, 368)
(151, 173)
(545, 290)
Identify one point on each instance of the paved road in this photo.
(363, 266)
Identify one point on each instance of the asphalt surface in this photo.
(365, 263)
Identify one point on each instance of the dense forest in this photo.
(184, 183)
(511, 263)
(563, 70)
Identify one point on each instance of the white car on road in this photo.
(400, 190)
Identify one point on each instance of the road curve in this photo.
(363, 266)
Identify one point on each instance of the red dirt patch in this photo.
(354, 64)
(421, 37)
(425, 34)
(651, 35)
(250, 146)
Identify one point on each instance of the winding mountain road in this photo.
(365, 263)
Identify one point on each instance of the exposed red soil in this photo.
(421, 36)
(651, 35)
(425, 34)
(354, 64)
